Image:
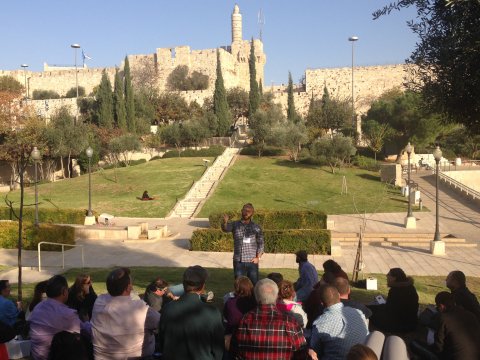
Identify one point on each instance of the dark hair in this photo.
(361, 352)
(398, 274)
(302, 255)
(118, 281)
(459, 277)
(157, 283)
(276, 277)
(249, 205)
(40, 288)
(445, 298)
(3, 284)
(342, 285)
(56, 285)
(285, 289)
(243, 286)
(194, 278)
(329, 295)
(331, 266)
(77, 287)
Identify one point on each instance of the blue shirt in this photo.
(8, 311)
(337, 330)
(308, 278)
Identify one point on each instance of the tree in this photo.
(104, 99)
(72, 92)
(171, 107)
(237, 99)
(291, 112)
(45, 94)
(290, 136)
(129, 97)
(10, 84)
(119, 102)
(446, 68)
(121, 148)
(220, 104)
(375, 135)
(334, 150)
(171, 135)
(262, 125)
(254, 95)
(179, 80)
(145, 77)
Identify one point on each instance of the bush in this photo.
(276, 241)
(252, 150)
(276, 220)
(59, 216)
(45, 94)
(366, 163)
(123, 164)
(212, 151)
(156, 157)
(32, 236)
(72, 92)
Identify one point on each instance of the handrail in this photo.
(462, 187)
(63, 253)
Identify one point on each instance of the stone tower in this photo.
(236, 24)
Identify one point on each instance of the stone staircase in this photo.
(200, 190)
(419, 240)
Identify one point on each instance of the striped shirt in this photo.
(267, 333)
(247, 240)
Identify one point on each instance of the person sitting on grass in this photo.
(308, 276)
(9, 312)
(145, 196)
(457, 284)
(157, 294)
(39, 295)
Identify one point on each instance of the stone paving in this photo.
(459, 217)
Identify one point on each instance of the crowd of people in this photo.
(265, 320)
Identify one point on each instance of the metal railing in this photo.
(63, 253)
(469, 191)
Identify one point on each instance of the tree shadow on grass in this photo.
(369, 177)
(294, 203)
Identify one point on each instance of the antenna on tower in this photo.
(261, 22)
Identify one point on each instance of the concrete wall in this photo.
(469, 178)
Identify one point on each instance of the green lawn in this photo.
(277, 184)
(221, 281)
(116, 191)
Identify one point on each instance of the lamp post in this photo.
(25, 66)
(410, 221)
(36, 156)
(75, 47)
(89, 153)
(352, 39)
(437, 246)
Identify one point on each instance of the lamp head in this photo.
(437, 153)
(408, 148)
(35, 154)
(353, 38)
(89, 152)
(24, 66)
(75, 46)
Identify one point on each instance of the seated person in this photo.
(237, 306)
(343, 288)
(286, 296)
(399, 314)
(308, 276)
(122, 327)
(145, 196)
(81, 297)
(39, 294)
(456, 282)
(157, 294)
(9, 312)
(332, 270)
(52, 316)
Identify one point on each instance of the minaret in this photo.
(236, 24)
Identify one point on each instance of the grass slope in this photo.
(116, 191)
(278, 184)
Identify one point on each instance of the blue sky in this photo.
(298, 34)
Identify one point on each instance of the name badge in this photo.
(247, 240)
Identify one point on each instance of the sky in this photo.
(297, 34)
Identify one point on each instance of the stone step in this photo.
(384, 235)
(408, 239)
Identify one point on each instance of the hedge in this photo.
(59, 216)
(276, 241)
(252, 150)
(212, 151)
(32, 236)
(276, 220)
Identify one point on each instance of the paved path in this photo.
(459, 217)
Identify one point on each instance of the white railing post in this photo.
(39, 249)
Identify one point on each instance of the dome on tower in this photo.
(236, 9)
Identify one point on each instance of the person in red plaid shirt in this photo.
(266, 332)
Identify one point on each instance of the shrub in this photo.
(123, 164)
(276, 241)
(366, 163)
(267, 151)
(156, 157)
(32, 236)
(212, 151)
(59, 216)
(72, 92)
(276, 220)
(45, 94)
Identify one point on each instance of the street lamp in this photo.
(75, 47)
(36, 156)
(25, 66)
(410, 221)
(437, 245)
(89, 153)
(352, 39)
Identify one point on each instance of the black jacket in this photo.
(402, 306)
(467, 300)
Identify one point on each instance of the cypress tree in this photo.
(325, 96)
(291, 113)
(220, 104)
(254, 96)
(105, 102)
(129, 97)
(260, 89)
(119, 102)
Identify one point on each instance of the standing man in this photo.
(247, 243)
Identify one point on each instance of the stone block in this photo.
(89, 220)
(410, 222)
(437, 248)
(133, 232)
(154, 234)
(330, 224)
(335, 248)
